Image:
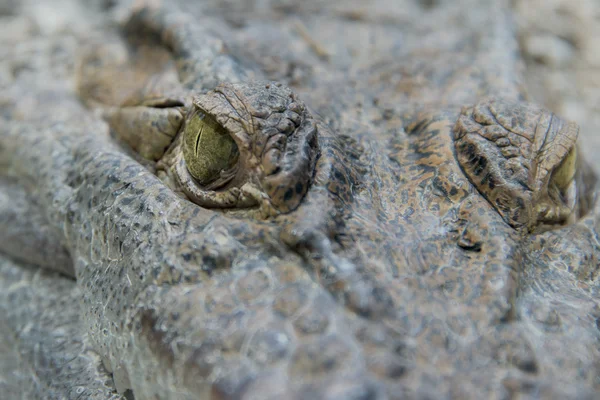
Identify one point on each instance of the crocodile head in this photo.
(361, 240)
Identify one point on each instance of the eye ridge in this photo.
(548, 161)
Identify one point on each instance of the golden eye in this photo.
(209, 151)
(564, 174)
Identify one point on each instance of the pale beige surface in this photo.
(560, 41)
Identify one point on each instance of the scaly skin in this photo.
(392, 276)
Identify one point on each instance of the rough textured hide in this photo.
(391, 276)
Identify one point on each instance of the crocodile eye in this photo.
(524, 160)
(564, 174)
(209, 152)
(249, 147)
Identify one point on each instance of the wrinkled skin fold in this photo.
(390, 274)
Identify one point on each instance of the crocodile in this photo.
(295, 200)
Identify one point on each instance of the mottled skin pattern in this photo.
(391, 276)
(59, 360)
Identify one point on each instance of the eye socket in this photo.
(210, 153)
(245, 146)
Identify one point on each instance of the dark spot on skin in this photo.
(479, 164)
(488, 179)
(299, 188)
(470, 246)
(453, 191)
(339, 176)
(439, 185)
(161, 198)
(397, 371)
(491, 182)
(209, 263)
(469, 150)
(418, 128)
(288, 195)
(529, 366)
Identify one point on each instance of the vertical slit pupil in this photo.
(208, 149)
